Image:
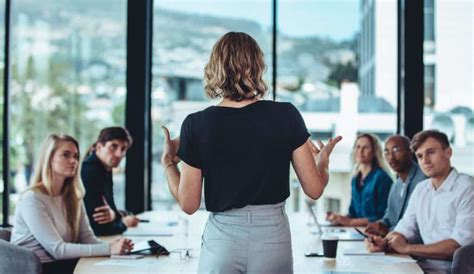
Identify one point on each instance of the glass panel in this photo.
(429, 80)
(68, 64)
(449, 99)
(429, 20)
(2, 66)
(337, 64)
(184, 34)
(429, 26)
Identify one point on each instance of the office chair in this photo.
(463, 260)
(15, 259)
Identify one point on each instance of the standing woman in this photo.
(50, 217)
(242, 149)
(370, 184)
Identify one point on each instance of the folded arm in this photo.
(442, 250)
(39, 223)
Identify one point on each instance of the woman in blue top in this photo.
(242, 149)
(370, 184)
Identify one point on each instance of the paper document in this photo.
(359, 251)
(129, 263)
(127, 257)
(150, 229)
(386, 259)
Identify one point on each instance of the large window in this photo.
(337, 64)
(2, 67)
(184, 34)
(68, 63)
(449, 70)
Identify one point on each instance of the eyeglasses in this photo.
(184, 253)
(394, 150)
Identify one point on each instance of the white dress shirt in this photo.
(445, 213)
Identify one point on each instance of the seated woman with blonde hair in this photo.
(370, 184)
(50, 217)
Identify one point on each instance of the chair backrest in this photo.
(463, 260)
(5, 234)
(16, 259)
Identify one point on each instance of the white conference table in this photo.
(302, 241)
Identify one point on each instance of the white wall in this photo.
(386, 50)
(454, 53)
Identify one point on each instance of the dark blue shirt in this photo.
(369, 199)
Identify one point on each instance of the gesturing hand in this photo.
(322, 152)
(170, 148)
(104, 214)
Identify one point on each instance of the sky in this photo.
(336, 19)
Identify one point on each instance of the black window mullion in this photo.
(138, 110)
(6, 119)
(410, 67)
(274, 48)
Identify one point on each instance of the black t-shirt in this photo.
(244, 153)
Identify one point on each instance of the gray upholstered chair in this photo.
(15, 259)
(463, 260)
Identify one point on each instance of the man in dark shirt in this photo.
(104, 155)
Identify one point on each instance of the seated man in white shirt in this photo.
(440, 210)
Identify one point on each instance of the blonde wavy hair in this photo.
(235, 68)
(377, 161)
(73, 190)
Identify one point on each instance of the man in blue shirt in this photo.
(399, 156)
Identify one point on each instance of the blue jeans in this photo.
(253, 239)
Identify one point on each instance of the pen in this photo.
(361, 233)
(144, 221)
(365, 235)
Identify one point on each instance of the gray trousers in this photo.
(253, 239)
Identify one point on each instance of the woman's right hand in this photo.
(170, 148)
(121, 246)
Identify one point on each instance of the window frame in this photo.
(138, 81)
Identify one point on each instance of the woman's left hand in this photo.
(170, 148)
